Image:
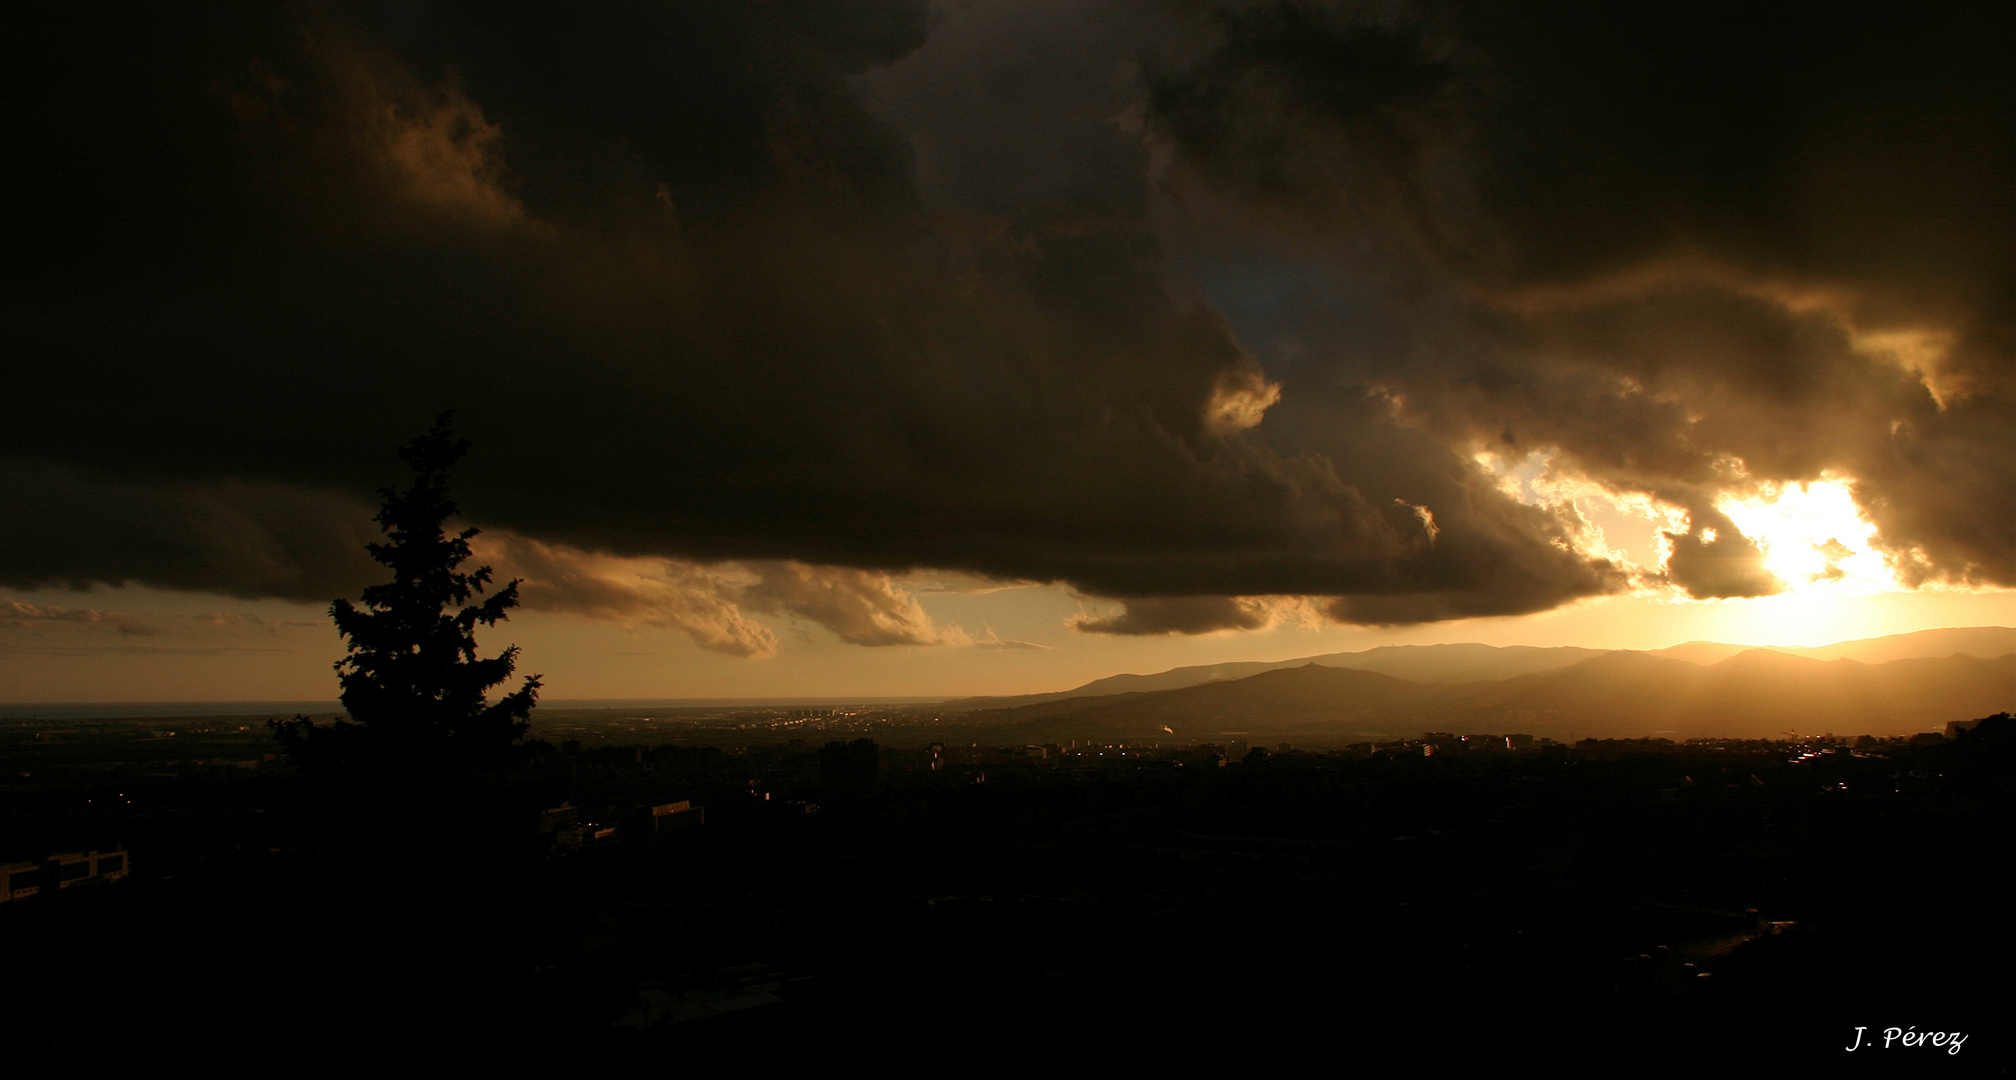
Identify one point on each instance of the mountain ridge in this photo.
(1472, 661)
(1753, 693)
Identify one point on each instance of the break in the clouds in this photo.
(1178, 305)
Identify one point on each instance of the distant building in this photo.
(562, 824)
(20, 880)
(677, 817)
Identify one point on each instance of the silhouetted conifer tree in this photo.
(415, 689)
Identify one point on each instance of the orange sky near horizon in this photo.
(150, 645)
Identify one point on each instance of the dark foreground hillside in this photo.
(1632, 906)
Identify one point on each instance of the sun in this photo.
(1814, 538)
(1833, 580)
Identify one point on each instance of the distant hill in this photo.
(1310, 696)
(1618, 686)
(1986, 642)
(1458, 663)
(1471, 662)
(1755, 693)
(1415, 663)
(1700, 652)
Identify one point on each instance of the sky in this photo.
(991, 347)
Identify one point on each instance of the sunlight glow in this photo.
(1814, 538)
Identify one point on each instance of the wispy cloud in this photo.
(22, 615)
(714, 604)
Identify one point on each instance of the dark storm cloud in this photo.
(1686, 250)
(865, 287)
(70, 527)
(1181, 615)
(1714, 559)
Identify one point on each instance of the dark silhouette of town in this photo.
(729, 893)
(665, 888)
